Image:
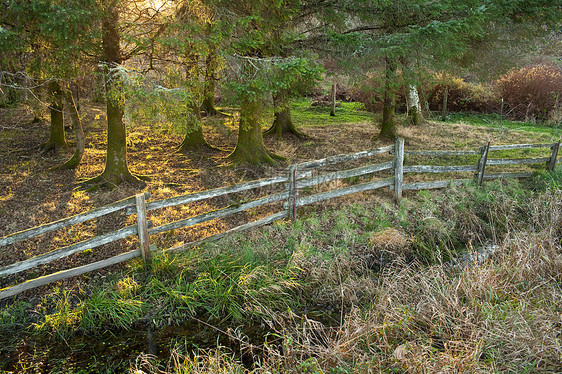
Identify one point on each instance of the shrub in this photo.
(463, 96)
(531, 93)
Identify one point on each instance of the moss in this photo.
(250, 147)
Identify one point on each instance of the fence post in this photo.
(552, 163)
(142, 226)
(398, 168)
(482, 162)
(292, 190)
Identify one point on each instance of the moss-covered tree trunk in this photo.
(388, 125)
(211, 67)
(73, 162)
(56, 139)
(194, 138)
(116, 168)
(282, 121)
(250, 147)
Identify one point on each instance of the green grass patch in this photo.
(304, 114)
(495, 121)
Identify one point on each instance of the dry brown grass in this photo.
(500, 316)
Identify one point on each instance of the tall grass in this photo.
(423, 312)
(365, 288)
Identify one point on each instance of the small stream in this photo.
(115, 351)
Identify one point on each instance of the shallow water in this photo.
(116, 351)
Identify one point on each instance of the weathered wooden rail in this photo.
(298, 178)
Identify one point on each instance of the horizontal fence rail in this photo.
(345, 174)
(245, 227)
(70, 221)
(344, 191)
(520, 146)
(67, 251)
(504, 161)
(218, 213)
(332, 160)
(439, 169)
(441, 153)
(298, 178)
(204, 195)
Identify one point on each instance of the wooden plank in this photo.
(439, 169)
(434, 185)
(41, 281)
(398, 168)
(345, 174)
(292, 191)
(441, 153)
(345, 191)
(553, 158)
(79, 218)
(261, 222)
(67, 251)
(519, 146)
(343, 158)
(218, 213)
(482, 163)
(189, 198)
(518, 161)
(142, 229)
(508, 175)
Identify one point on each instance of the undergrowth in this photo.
(366, 288)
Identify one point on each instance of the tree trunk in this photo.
(56, 139)
(250, 147)
(194, 138)
(116, 168)
(73, 162)
(414, 106)
(333, 107)
(388, 125)
(444, 108)
(282, 122)
(211, 66)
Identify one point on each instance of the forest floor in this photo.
(32, 194)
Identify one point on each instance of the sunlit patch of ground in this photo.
(31, 195)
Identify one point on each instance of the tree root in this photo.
(100, 181)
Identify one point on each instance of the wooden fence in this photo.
(298, 178)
